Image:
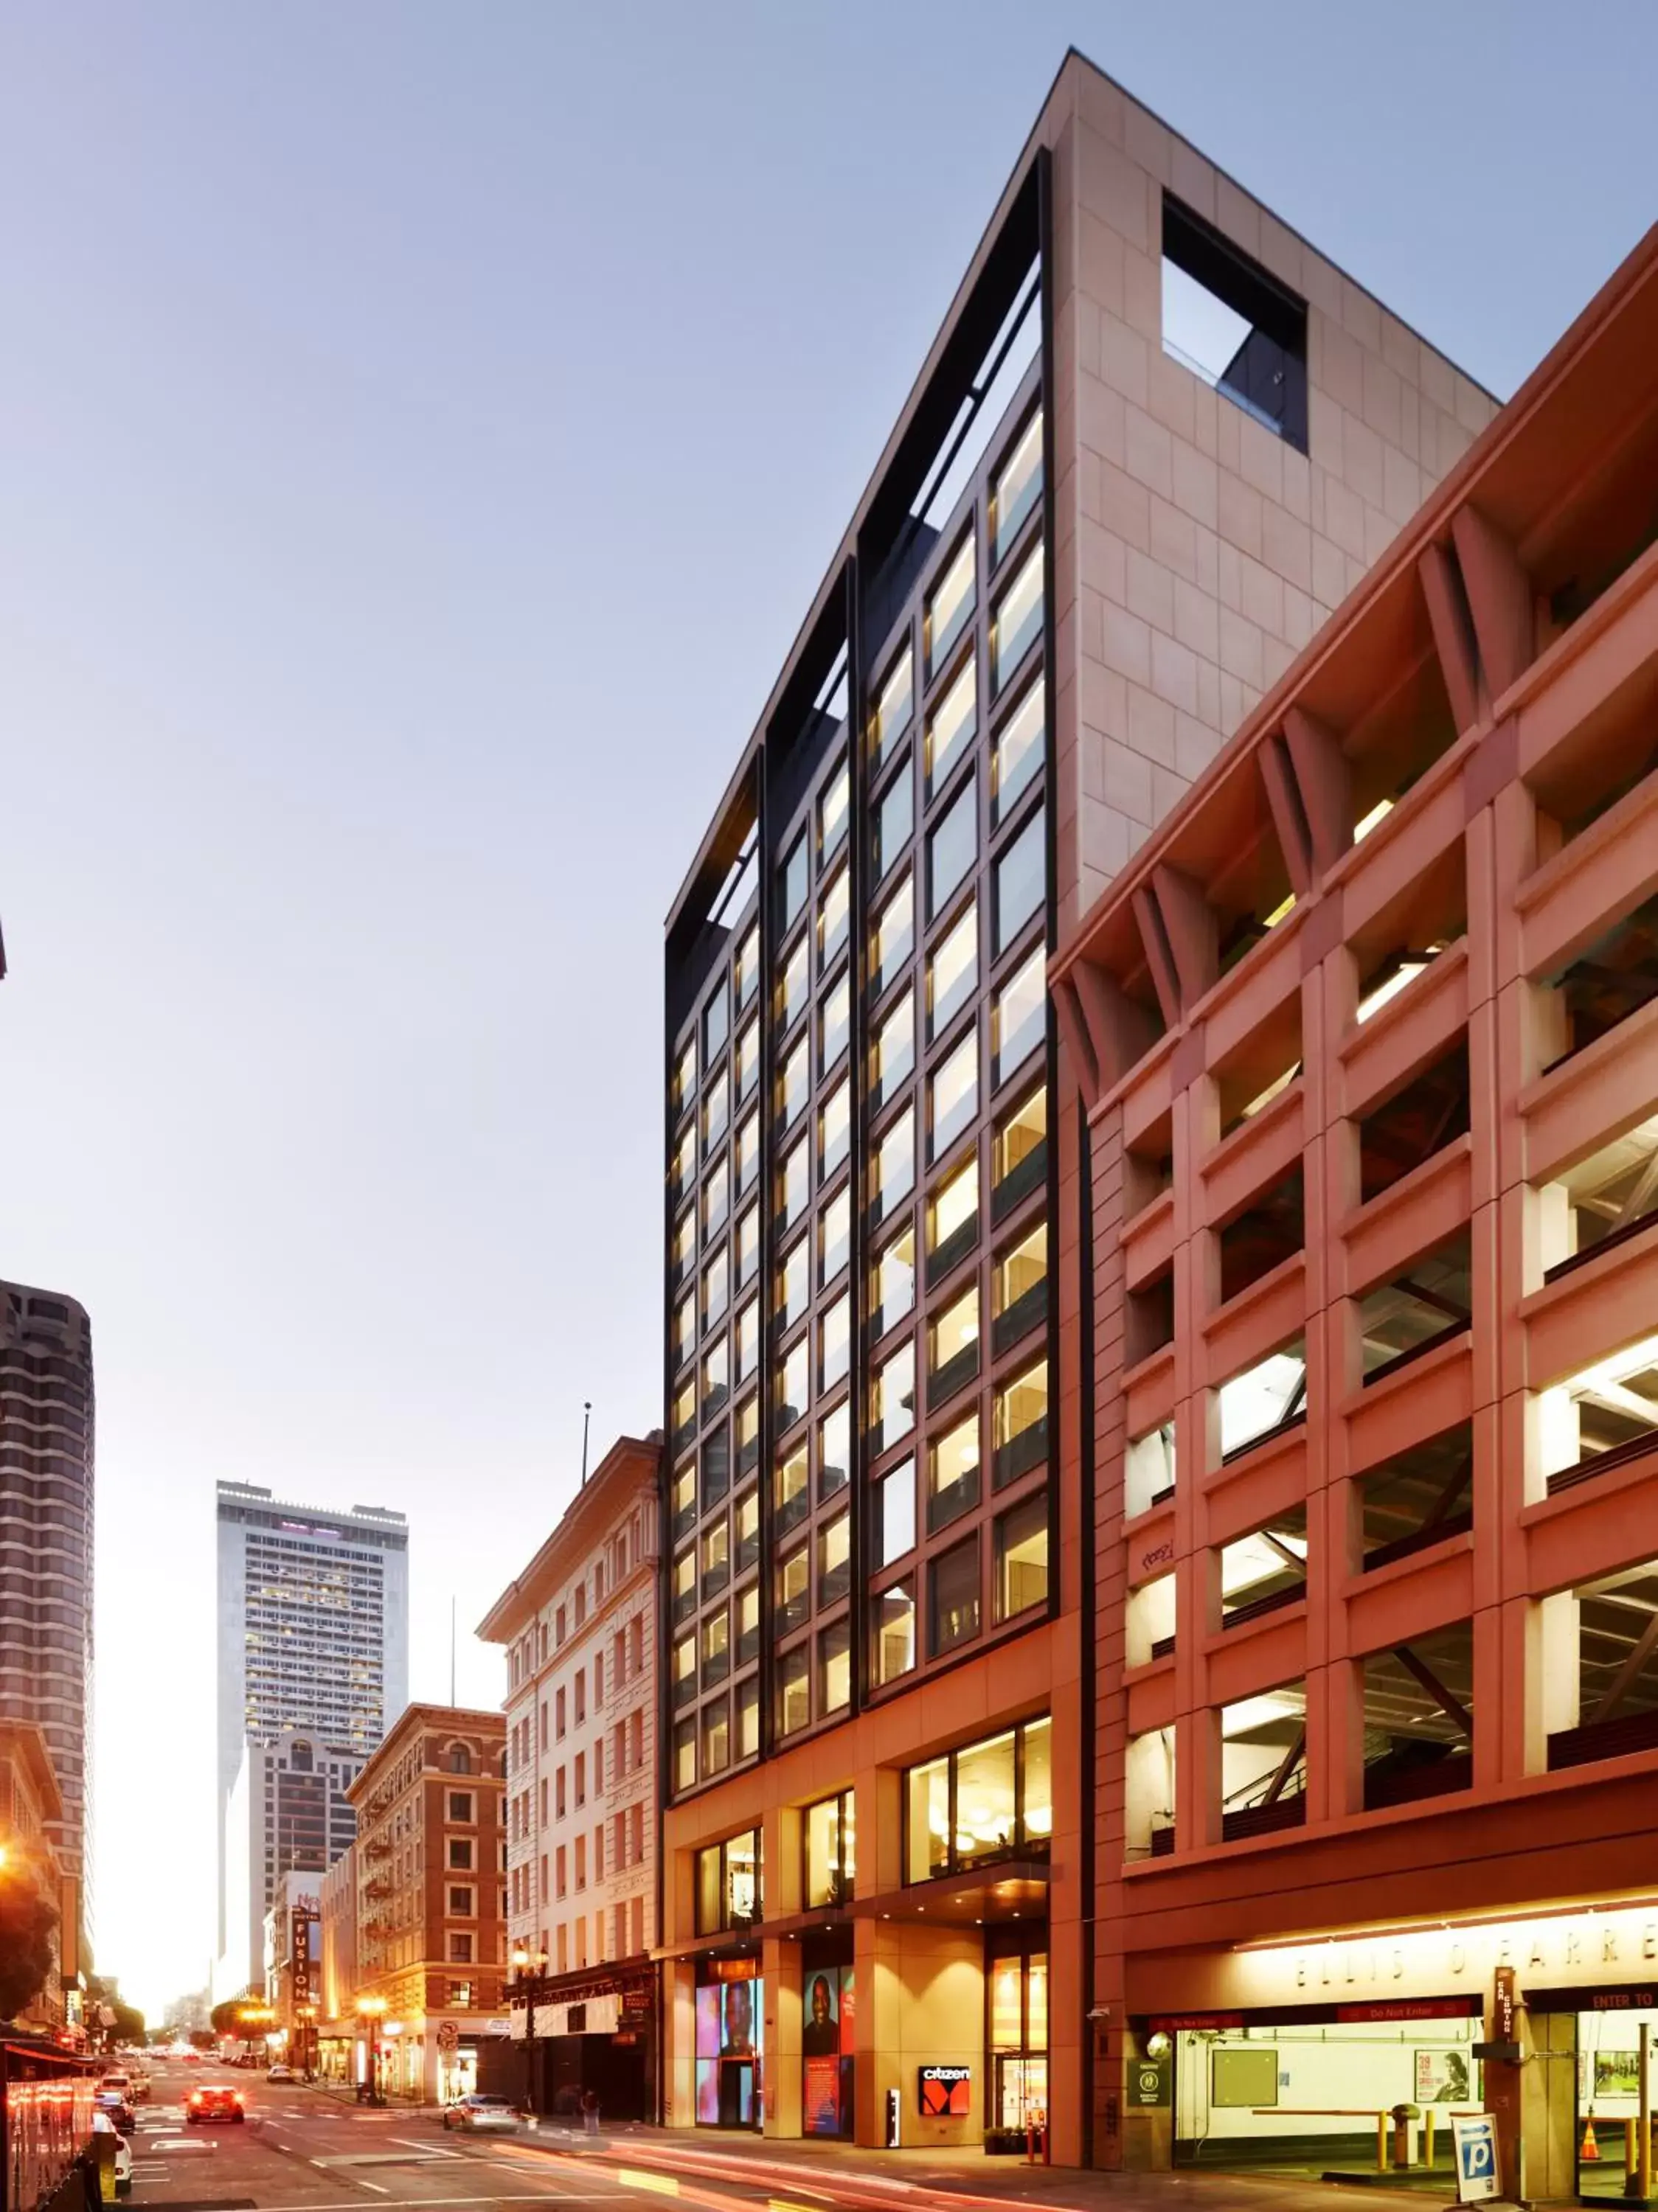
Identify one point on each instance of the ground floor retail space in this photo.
(1356, 2055)
(872, 2028)
(427, 2059)
(587, 2044)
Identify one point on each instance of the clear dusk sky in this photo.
(422, 429)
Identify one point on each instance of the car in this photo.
(115, 2106)
(280, 2073)
(116, 2077)
(102, 2124)
(140, 2084)
(212, 2103)
(480, 2113)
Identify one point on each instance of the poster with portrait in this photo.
(1617, 2073)
(1444, 2076)
(827, 2052)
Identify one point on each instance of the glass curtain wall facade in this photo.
(858, 1069)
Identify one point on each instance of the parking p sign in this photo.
(1475, 2137)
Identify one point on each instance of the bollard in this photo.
(1427, 2136)
(1381, 2142)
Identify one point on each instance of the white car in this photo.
(103, 2125)
(480, 2113)
(280, 2073)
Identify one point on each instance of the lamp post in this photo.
(373, 2009)
(307, 2015)
(529, 1978)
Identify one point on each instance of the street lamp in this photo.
(529, 1971)
(373, 2010)
(307, 2015)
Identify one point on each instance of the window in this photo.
(892, 1399)
(893, 1055)
(950, 604)
(748, 1245)
(684, 1248)
(983, 1802)
(717, 1560)
(1602, 1416)
(834, 1449)
(1018, 751)
(559, 1712)
(794, 1387)
(794, 1184)
(461, 1901)
(895, 1515)
(1021, 880)
(826, 1831)
(790, 1496)
(460, 1853)
(1019, 1153)
(716, 1737)
(684, 1074)
(894, 937)
(685, 1679)
(683, 1167)
(834, 1022)
(746, 970)
(953, 1347)
(1021, 1558)
(894, 1634)
(953, 972)
(794, 988)
(716, 1026)
(748, 1717)
(716, 1107)
(748, 1434)
(953, 1095)
(831, 813)
(1016, 622)
(794, 1284)
(460, 1949)
(685, 1757)
(834, 1130)
(1018, 1015)
(729, 1883)
(894, 704)
(833, 918)
(460, 1800)
(791, 885)
(717, 1647)
(794, 1690)
(895, 817)
(952, 1479)
(716, 1282)
(952, 848)
(893, 1168)
(748, 1152)
(834, 1235)
(748, 1059)
(460, 1996)
(892, 1287)
(952, 726)
(1017, 487)
(1429, 1303)
(748, 1624)
(684, 1602)
(685, 1328)
(1263, 1398)
(952, 1220)
(716, 1462)
(1018, 1285)
(1021, 1425)
(1233, 325)
(953, 1593)
(834, 1343)
(794, 1084)
(716, 1190)
(747, 1514)
(835, 1667)
(716, 1377)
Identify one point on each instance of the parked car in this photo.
(212, 2103)
(480, 2113)
(139, 2077)
(102, 2124)
(116, 2077)
(115, 2106)
(280, 2073)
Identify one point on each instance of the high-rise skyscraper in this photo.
(46, 1544)
(313, 1666)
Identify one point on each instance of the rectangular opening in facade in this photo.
(1610, 980)
(1269, 1231)
(1603, 1415)
(1149, 1825)
(1264, 1762)
(1427, 1305)
(1422, 1495)
(1264, 1571)
(1231, 324)
(1409, 933)
(1256, 1071)
(1419, 1718)
(1602, 1201)
(1264, 1401)
(1600, 1667)
(1604, 535)
(1149, 1470)
(1149, 1622)
(1424, 1114)
(1148, 1318)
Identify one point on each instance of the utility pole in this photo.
(587, 1415)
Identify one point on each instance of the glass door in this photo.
(1016, 1993)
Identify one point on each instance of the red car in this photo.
(215, 2104)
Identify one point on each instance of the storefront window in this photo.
(985, 1802)
(826, 2051)
(827, 1828)
(730, 2023)
(729, 1883)
(1017, 2002)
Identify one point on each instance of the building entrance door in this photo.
(1606, 2074)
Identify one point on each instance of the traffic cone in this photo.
(1590, 2150)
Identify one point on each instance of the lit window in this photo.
(950, 604)
(834, 1561)
(749, 1612)
(716, 1738)
(790, 1498)
(717, 1566)
(834, 1130)
(892, 1172)
(794, 1284)
(794, 1184)
(894, 1634)
(748, 1245)
(834, 1235)
(715, 1289)
(685, 1326)
(895, 817)
(952, 725)
(717, 1647)
(685, 1670)
(716, 1192)
(831, 813)
(835, 1667)
(1019, 1016)
(833, 918)
(1017, 623)
(683, 1247)
(1019, 1283)
(684, 1585)
(953, 1474)
(683, 1166)
(953, 972)
(748, 1717)
(1018, 486)
(952, 1219)
(746, 970)
(794, 1691)
(794, 1084)
(794, 1389)
(1021, 1425)
(952, 849)
(892, 1286)
(748, 1434)
(1020, 749)
(953, 1094)
(895, 1515)
(748, 1059)
(793, 987)
(684, 1754)
(892, 1399)
(684, 1074)
(1019, 1153)
(746, 1513)
(748, 1339)
(834, 1021)
(893, 1055)
(1003, 1801)
(894, 704)
(893, 939)
(717, 1108)
(834, 1343)
(794, 1600)
(834, 1449)
(1021, 880)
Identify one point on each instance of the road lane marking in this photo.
(639, 2177)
